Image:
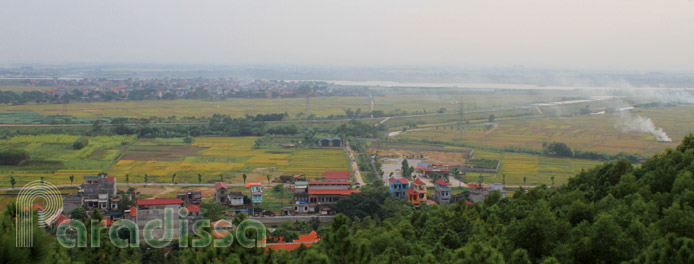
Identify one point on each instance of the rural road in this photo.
(153, 184)
(355, 167)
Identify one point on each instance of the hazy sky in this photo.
(579, 34)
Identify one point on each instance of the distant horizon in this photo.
(636, 35)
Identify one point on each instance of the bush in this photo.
(13, 157)
(42, 164)
(80, 143)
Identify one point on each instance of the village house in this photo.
(478, 194)
(397, 188)
(221, 193)
(417, 194)
(256, 190)
(99, 192)
(442, 195)
(329, 185)
(190, 197)
(151, 209)
(330, 142)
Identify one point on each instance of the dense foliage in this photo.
(13, 157)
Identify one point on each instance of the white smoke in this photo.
(628, 123)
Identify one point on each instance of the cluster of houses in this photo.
(97, 89)
(312, 197)
(415, 192)
(309, 197)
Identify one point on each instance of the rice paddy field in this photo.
(599, 133)
(212, 157)
(99, 155)
(227, 157)
(537, 169)
(392, 100)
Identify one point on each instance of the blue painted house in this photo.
(397, 188)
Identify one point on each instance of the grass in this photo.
(99, 155)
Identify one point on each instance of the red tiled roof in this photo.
(473, 185)
(441, 182)
(133, 211)
(219, 224)
(107, 222)
(37, 207)
(332, 177)
(193, 208)
(336, 173)
(310, 237)
(253, 184)
(430, 202)
(418, 181)
(160, 201)
(411, 192)
(61, 219)
(220, 185)
(401, 180)
(333, 192)
(328, 182)
(286, 246)
(468, 202)
(110, 178)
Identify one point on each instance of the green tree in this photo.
(687, 143)
(12, 181)
(520, 256)
(127, 179)
(212, 210)
(200, 178)
(244, 178)
(146, 179)
(97, 126)
(78, 213)
(173, 177)
(80, 143)
(491, 118)
(72, 178)
(9, 253)
(340, 246)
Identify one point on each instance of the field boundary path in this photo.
(355, 167)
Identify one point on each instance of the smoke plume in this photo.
(641, 124)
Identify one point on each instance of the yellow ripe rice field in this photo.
(227, 157)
